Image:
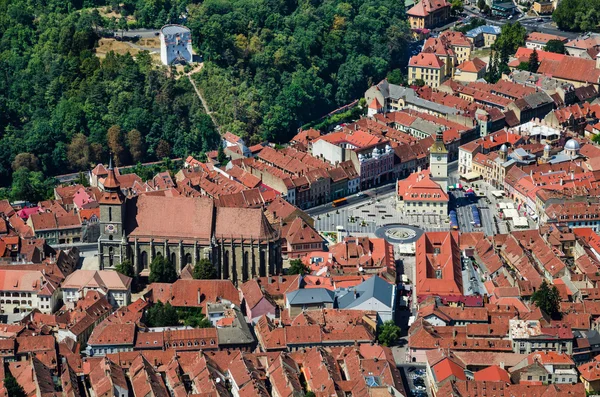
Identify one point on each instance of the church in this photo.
(239, 242)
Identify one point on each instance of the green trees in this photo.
(59, 100)
(297, 267)
(271, 67)
(555, 46)
(457, 7)
(126, 268)
(221, 157)
(395, 77)
(577, 15)
(388, 333)
(534, 62)
(204, 270)
(512, 36)
(13, 388)
(547, 299)
(162, 315)
(162, 270)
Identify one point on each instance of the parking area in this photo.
(415, 380)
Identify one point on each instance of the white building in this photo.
(175, 44)
(113, 284)
(24, 290)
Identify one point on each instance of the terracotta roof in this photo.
(492, 373)
(447, 368)
(195, 293)
(473, 66)
(426, 60)
(424, 7)
(447, 262)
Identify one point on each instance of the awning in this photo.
(498, 193)
(469, 176)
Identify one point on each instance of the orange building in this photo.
(427, 14)
(438, 265)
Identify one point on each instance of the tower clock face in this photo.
(439, 158)
(110, 228)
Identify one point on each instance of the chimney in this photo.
(199, 296)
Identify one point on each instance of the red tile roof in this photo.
(438, 252)
(426, 60)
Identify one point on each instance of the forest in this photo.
(273, 65)
(577, 15)
(62, 108)
(270, 67)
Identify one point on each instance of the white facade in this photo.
(117, 298)
(175, 44)
(465, 161)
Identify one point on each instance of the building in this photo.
(438, 265)
(531, 336)
(302, 300)
(24, 290)
(65, 229)
(483, 36)
(428, 68)
(472, 70)
(240, 242)
(427, 14)
(538, 41)
(438, 161)
(374, 294)
(115, 286)
(175, 44)
(420, 194)
(371, 155)
(590, 376)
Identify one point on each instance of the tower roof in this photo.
(112, 188)
(438, 146)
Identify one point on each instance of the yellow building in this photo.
(450, 47)
(427, 14)
(470, 70)
(543, 7)
(427, 67)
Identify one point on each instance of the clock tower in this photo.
(112, 247)
(438, 161)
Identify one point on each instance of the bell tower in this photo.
(438, 161)
(112, 247)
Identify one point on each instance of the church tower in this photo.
(438, 161)
(112, 247)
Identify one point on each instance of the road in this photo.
(142, 33)
(355, 199)
(530, 23)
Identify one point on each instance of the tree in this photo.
(135, 144)
(114, 139)
(555, 46)
(389, 333)
(297, 267)
(523, 66)
(30, 186)
(78, 152)
(163, 149)
(481, 4)
(162, 315)
(204, 270)
(512, 36)
(395, 77)
(547, 299)
(13, 388)
(126, 268)
(457, 7)
(534, 62)
(221, 157)
(25, 160)
(419, 82)
(162, 270)
(577, 15)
